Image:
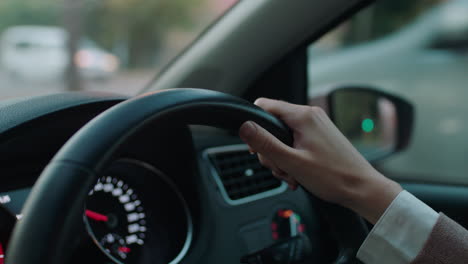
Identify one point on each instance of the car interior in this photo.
(163, 177)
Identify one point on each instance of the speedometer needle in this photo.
(96, 216)
(124, 249)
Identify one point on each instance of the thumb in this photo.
(263, 142)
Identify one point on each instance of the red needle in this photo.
(124, 249)
(96, 216)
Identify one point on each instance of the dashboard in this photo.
(173, 194)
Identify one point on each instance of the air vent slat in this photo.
(240, 174)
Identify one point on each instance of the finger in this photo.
(289, 179)
(270, 165)
(251, 151)
(276, 171)
(281, 109)
(281, 175)
(266, 162)
(263, 142)
(292, 183)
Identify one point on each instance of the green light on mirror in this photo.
(367, 125)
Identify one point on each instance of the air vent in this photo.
(240, 176)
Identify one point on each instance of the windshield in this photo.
(118, 46)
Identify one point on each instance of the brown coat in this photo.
(447, 244)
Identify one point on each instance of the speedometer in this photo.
(116, 219)
(136, 214)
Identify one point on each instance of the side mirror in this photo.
(377, 124)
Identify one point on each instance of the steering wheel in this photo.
(54, 208)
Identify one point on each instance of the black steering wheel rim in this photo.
(54, 208)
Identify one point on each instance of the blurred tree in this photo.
(29, 12)
(391, 15)
(73, 23)
(385, 17)
(134, 28)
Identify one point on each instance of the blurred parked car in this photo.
(426, 62)
(40, 53)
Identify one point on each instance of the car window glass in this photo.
(115, 46)
(417, 50)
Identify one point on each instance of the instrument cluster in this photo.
(134, 214)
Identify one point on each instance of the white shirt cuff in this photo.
(400, 233)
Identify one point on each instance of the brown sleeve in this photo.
(447, 244)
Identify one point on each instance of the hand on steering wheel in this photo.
(322, 160)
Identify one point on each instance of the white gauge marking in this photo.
(110, 238)
(133, 217)
(133, 228)
(129, 207)
(117, 192)
(98, 186)
(108, 187)
(124, 198)
(131, 239)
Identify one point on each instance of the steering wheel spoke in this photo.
(347, 228)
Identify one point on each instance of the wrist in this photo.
(374, 196)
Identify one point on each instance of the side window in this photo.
(417, 50)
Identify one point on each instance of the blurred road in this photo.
(125, 83)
